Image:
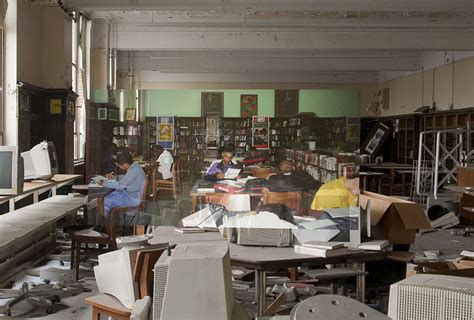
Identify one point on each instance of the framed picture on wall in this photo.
(212, 103)
(248, 105)
(286, 102)
(113, 115)
(101, 113)
(130, 114)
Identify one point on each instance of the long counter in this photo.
(37, 187)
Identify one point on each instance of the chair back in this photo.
(143, 270)
(232, 202)
(290, 199)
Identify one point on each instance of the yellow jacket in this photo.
(333, 194)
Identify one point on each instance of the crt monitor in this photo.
(11, 171)
(41, 161)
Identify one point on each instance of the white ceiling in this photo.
(279, 41)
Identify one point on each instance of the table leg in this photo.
(379, 184)
(260, 288)
(403, 184)
(360, 284)
(193, 203)
(392, 181)
(364, 183)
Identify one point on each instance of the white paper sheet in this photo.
(305, 235)
(231, 173)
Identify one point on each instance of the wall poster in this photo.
(165, 132)
(260, 132)
(248, 105)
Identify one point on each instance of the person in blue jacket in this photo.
(128, 188)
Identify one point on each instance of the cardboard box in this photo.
(452, 268)
(394, 219)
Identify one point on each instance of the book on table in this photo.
(374, 245)
(323, 253)
(323, 245)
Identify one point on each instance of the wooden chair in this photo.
(100, 238)
(162, 184)
(232, 202)
(104, 304)
(290, 199)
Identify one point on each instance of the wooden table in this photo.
(388, 166)
(37, 187)
(263, 259)
(198, 197)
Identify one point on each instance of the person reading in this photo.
(164, 160)
(253, 158)
(218, 169)
(128, 188)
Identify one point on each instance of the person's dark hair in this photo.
(159, 147)
(124, 157)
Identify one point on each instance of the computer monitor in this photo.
(41, 161)
(194, 282)
(114, 276)
(431, 296)
(11, 171)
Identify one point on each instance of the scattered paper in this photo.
(306, 235)
(318, 224)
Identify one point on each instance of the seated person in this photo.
(164, 160)
(290, 179)
(253, 158)
(338, 193)
(219, 153)
(218, 169)
(128, 188)
(109, 164)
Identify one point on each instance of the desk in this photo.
(37, 187)
(263, 259)
(198, 197)
(26, 233)
(388, 166)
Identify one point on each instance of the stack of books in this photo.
(229, 186)
(322, 249)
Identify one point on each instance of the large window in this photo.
(80, 66)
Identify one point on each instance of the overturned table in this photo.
(263, 259)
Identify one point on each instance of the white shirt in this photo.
(165, 160)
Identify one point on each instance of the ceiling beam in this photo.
(319, 5)
(297, 40)
(256, 64)
(143, 78)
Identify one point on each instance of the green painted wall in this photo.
(187, 103)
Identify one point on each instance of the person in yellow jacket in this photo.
(339, 193)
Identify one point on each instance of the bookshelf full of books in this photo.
(237, 131)
(190, 136)
(323, 165)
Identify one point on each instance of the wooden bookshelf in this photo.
(237, 131)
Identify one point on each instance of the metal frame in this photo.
(458, 154)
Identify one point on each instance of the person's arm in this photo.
(121, 184)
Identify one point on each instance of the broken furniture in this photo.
(262, 259)
(27, 234)
(391, 167)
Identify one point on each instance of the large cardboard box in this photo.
(394, 219)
